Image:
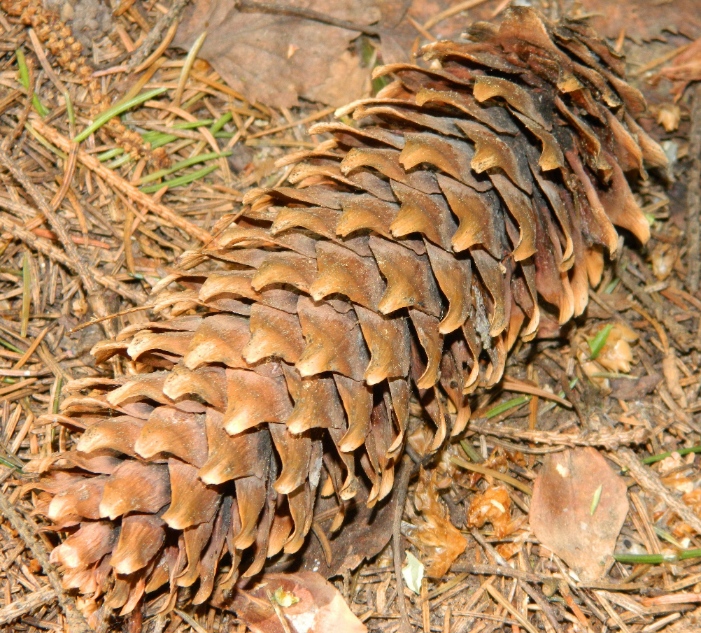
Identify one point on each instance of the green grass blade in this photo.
(597, 343)
(183, 180)
(659, 457)
(188, 162)
(506, 406)
(116, 110)
(24, 80)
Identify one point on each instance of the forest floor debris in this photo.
(87, 231)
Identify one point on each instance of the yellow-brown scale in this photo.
(455, 211)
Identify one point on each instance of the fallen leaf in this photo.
(413, 573)
(561, 510)
(251, 51)
(684, 68)
(642, 19)
(435, 536)
(308, 602)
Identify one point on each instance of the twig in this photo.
(454, 10)
(21, 606)
(654, 63)
(479, 468)
(117, 182)
(76, 622)
(650, 482)
(10, 138)
(55, 222)
(402, 487)
(59, 256)
(488, 549)
(306, 14)
(155, 36)
(96, 299)
(153, 57)
(693, 196)
(537, 597)
(606, 438)
(509, 383)
(498, 597)
(498, 570)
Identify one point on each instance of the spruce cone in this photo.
(471, 201)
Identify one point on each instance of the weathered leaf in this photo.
(413, 573)
(315, 605)
(278, 58)
(561, 510)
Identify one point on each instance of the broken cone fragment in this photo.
(459, 208)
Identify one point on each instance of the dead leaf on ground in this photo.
(642, 19)
(566, 516)
(435, 536)
(306, 600)
(276, 59)
(684, 68)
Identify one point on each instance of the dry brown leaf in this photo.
(436, 537)
(684, 68)
(276, 59)
(565, 516)
(643, 19)
(308, 603)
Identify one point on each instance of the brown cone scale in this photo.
(448, 216)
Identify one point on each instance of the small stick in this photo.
(155, 35)
(454, 10)
(116, 181)
(158, 52)
(21, 606)
(498, 597)
(306, 14)
(489, 550)
(54, 220)
(693, 196)
(649, 481)
(498, 570)
(606, 438)
(59, 256)
(402, 488)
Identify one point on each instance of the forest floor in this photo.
(86, 230)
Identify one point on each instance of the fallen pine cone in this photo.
(472, 199)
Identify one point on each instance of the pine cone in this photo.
(472, 200)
